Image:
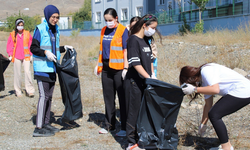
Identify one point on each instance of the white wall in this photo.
(63, 22)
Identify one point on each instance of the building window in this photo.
(161, 2)
(98, 17)
(139, 11)
(124, 14)
(97, 1)
(109, 0)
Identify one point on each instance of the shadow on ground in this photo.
(199, 143)
(65, 125)
(99, 120)
(10, 93)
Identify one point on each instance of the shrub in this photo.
(199, 27)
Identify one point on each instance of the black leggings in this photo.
(228, 104)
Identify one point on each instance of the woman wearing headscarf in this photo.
(46, 51)
(18, 49)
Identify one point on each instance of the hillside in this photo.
(11, 7)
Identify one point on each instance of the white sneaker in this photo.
(121, 133)
(103, 131)
(219, 148)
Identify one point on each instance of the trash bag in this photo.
(3, 65)
(158, 114)
(70, 86)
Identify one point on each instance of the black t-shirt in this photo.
(139, 53)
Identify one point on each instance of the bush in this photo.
(199, 27)
(29, 22)
(185, 28)
(75, 33)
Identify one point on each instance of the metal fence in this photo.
(214, 8)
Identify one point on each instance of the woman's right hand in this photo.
(202, 130)
(10, 58)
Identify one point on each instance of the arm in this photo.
(35, 46)
(152, 68)
(125, 58)
(208, 105)
(10, 46)
(142, 71)
(209, 90)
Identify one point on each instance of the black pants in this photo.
(44, 104)
(134, 92)
(111, 83)
(228, 104)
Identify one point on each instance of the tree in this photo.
(84, 14)
(201, 4)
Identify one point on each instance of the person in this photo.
(132, 22)
(140, 60)
(18, 49)
(46, 52)
(210, 79)
(112, 64)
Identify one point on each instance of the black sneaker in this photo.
(42, 132)
(51, 128)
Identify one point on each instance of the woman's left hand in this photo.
(189, 89)
(124, 72)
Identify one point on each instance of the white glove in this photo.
(31, 59)
(153, 76)
(124, 72)
(202, 130)
(66, 47)
(96, 72)
(189, 89)
(10, 58)
(50, 56)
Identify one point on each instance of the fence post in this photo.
(191, 10)
(216, 8)
(233, 6)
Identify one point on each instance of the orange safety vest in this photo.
(26, 38)
(116, 57)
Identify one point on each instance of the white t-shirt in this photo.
(230, 82)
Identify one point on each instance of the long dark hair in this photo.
(148, 20)
(191, 75)
(136, 18)
(110, 11)
(16, 24)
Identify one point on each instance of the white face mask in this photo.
(149, 32)
(110, 24)
(19, 28)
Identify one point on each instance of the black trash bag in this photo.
(158, 114)
(70, 86)
(3, 65)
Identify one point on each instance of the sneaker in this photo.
(121, 133)
(31, 95)
(42, 132)
(51, 128)
(131, 146)
(103, 131)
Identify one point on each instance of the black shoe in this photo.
(42, 132)
(51, 128)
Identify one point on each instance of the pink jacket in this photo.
(19, 47)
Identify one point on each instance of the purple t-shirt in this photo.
(107, 38)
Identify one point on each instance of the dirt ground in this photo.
(17, 117)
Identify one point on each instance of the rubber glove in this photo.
(202, 130)
(96, 72)
(153, 76)
(68, 47)
(50, 56)
(124, 72)
(31, 59)
(10, 58)
(189, 89)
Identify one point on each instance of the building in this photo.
(126, 9)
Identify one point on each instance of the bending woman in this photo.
(211, 79)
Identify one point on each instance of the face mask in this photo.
(149, 32)
(110, 24)
(19, 28)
